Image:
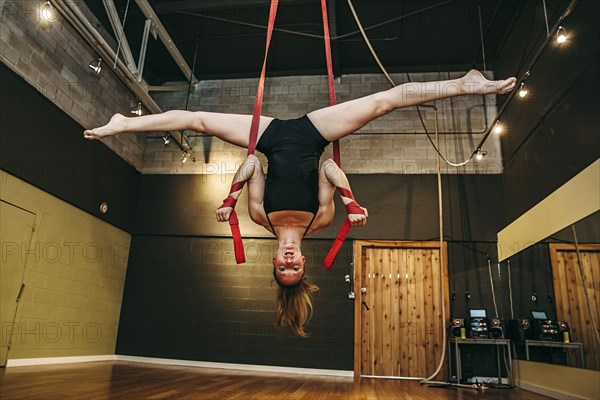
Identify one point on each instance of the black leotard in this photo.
(293, 149)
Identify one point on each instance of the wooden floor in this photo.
(125, 380)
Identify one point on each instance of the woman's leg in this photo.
(232, 128)
(342, 119)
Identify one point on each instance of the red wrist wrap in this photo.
(230, 201)
(354, 208)
(238, 244)
(346, 193)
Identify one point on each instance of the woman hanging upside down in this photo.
(297, 199)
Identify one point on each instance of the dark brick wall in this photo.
(185, 298)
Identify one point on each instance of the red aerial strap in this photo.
(261, 82)
(238, 245)
(352, 207)
(330, 84)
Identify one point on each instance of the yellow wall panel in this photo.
(557, 381)
(74, 278)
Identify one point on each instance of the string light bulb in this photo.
(167, 138)
(498, 128)
(46, 12)
(137, 110)
(480, 154)
(561, 35)
(523, 91)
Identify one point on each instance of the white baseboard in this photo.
(25, 362)
(548, 392)
(243, 367)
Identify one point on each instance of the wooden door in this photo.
(399, 326)
(572, 297)
(15, 236)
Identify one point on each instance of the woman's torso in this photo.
(293, 149)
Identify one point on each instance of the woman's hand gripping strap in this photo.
(238, 244)
(351, 208)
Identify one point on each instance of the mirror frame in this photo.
(572, 202)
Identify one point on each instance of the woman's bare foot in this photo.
(115, 126)
(475, 83)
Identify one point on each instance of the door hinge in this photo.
(33, 227)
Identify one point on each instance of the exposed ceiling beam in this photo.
(167, 41)
(113, 17)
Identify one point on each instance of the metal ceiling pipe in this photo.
(77, 19)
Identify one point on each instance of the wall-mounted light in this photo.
(96, 65)
(167, 138)
(137, 110)
(47, 12)
(561, 35)
(480, 154)
(523, 91)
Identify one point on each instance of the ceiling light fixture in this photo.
(523, 91)
(187, 156)
(137, 110)
(46, 12)
(561, 35)
(480, 154)
(96, 65)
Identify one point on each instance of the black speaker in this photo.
(496, 328)
(456, 325)
(519, 329)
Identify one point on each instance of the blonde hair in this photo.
(295, 305)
